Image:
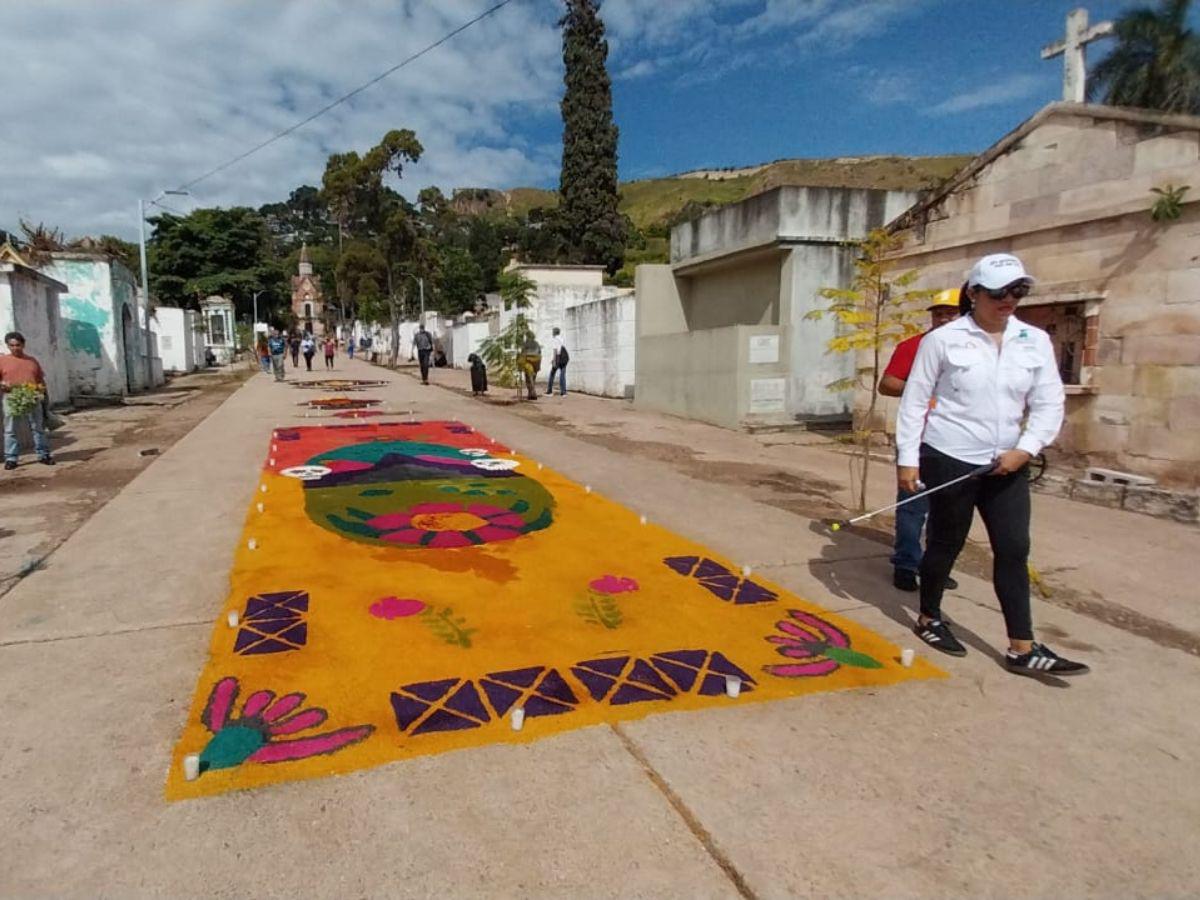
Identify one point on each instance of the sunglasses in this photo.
(1018, 289)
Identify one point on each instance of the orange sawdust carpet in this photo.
(410, 588)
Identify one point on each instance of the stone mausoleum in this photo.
(721, 330)
(1071, 192)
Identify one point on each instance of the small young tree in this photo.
(877, 311)
(501, 351)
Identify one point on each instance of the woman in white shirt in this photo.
(997, 398)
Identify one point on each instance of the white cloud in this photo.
(120, 100)
(996, 93)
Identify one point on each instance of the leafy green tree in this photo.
(879, 309)
(500, 351)
(460, 280)
(592, 228)
(214, 251)
(1155, 64)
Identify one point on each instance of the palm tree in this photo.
(1156, 63)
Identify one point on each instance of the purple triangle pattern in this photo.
(518, 677)
(466, 701)
(431, 690)
(719, 581)
(631, 693)
(407, 710)
(612, 666)
(682, 564)
(553, 687)
(540, 706)
(597, 685)
(502, 696)
(710, 569)
(682, 676)
(647, 677)
(693, 658)
(441, 720)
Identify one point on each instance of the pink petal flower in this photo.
(831, 634)
(802, 670)
(220, 702)
(611, 584)
(390, 522)
(491, 533)
(395, 608)
(282, 707)
(508, 520)
(800, 633)
(258, 701)
(301, 748)
(445, 539)
(309, 718)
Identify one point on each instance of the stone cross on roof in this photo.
(1073, 50)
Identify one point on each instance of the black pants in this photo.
(308, 361)
(328, 361)
(423, 359)
(1003, 503)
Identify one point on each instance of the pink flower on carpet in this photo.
(396, 608)
(255, 735)
(448, 525)
(612, 584)
(824, 647)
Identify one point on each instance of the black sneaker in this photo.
(904, 579)
(47, 460)
(937, 635)
(951, 584)
(1041, 660)
(10, 464)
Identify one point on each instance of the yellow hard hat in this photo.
(948, 297)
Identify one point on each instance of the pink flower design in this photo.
(396, 608)
(612, 584)
(255, 735)
(824, 646)
(447, 525)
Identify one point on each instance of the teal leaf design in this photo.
(446, 626)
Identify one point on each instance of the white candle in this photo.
(518, 718)
(587, 489)
(746, 570)
(643, 520)
(252, 544)
(261, 507)
(271, 461)
(733, 685)
(263, 488)
(907, 655)
(191, 766)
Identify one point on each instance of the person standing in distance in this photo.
(558, 363)
(18, 368)
(277, 347)
(423, 341)
(997, 397)
(910, 518)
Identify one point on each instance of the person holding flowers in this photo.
(23, 388)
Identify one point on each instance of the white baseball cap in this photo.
(997, 270)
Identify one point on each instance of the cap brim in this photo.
(1002, 282)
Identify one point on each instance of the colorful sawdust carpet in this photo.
(406, 587)
(340, 403)
(338, 384)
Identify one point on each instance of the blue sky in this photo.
(118, 100)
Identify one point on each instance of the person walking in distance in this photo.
(264, 353)
(559, 357)
(277, 347)
(984, 388)
(423, 342)
(18, 369)
(529, 361)
(294, 346)
(330, 348)
(910, 518)
(309, 348)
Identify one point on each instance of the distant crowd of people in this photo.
(274, 346)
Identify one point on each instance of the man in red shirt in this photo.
(910, 518)
(17, 369)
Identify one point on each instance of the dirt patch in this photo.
(99, 452)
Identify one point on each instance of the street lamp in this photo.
(254, 324)
(146, 279)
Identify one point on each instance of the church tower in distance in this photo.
(308, 301)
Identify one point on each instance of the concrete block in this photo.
(1182, 506)
(1179, 149)
(1162, 350)
(1183, 286)
(1113, 476)
(1099, 493)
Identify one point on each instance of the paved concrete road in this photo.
(983, 784)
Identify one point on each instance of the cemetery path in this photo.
(976, 784)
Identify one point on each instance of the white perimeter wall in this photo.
(175, 336)
(601, 338)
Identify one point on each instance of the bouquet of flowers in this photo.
(23, 398)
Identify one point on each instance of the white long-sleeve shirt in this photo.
(981, 393)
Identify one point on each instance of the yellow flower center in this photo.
(453, 521)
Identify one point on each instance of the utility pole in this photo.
(146, 278)
(254, 324)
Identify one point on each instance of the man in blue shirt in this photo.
(277, 347)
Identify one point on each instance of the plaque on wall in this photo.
(767, 395)
(764, 348)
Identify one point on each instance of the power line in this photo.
(340, 100)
